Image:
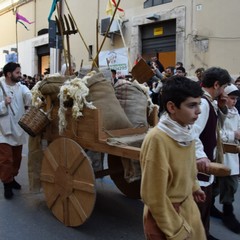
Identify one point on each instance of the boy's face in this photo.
(231, 101)
(188, 111)
(237, 83)
(180, 73)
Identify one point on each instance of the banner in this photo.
(115, 59)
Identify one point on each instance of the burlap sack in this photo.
(101, 94)
(133, 101)
(51, 85)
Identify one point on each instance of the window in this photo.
(151, 3)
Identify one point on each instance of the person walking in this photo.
(228, 185)
(213, 110)
(169, 187)
(14, 97)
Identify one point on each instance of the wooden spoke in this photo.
(76, 163)
(47, 178)
(78, 207)
(66, 211)
(52, 198)
(51, 160)
(83, 186)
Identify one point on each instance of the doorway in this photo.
(159, 40)
(43, 53)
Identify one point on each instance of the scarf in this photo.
(183, 135)
(232, 112)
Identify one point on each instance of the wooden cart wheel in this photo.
(68, 182)
(131, 190)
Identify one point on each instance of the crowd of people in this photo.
(31, 81)
(177, 189)
(203, 112)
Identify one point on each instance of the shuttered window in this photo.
(151, 3)
(159, 37)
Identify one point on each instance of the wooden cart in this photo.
(67, 176)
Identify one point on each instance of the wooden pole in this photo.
(124, 44)
(97, 32)
(105, 36)
(17, 39)
(62, 35)
(94, 61)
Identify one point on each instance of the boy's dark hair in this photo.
(200, 70)
(238, 79)
(10, 67)
(213, 74)
(180, 64)
(181, 69)
(113, 71)
(178, 88)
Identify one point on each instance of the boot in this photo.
(8, 194)
(16, 185)
(229, 219)
(214, 212)
(211, 237)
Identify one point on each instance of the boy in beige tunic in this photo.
(169, 184)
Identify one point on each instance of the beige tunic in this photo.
(169, 176)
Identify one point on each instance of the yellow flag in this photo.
(109, 8)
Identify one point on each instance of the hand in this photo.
(203, 165)
(7, 100)
(154, 84)
(222, 100)
(237, 134)
(199, 195)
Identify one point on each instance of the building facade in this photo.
(199, 33)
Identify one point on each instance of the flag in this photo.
(111, 7)
(53, 7)
(119, 9)
(23, 25)
(22, 18)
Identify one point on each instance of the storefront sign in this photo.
(158, 31)
(115, 59)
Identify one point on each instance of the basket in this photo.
(34, 121)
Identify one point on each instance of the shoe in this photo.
(214, 212)
(8, 193)
(16, 185)
(231, 223)
(210, 237)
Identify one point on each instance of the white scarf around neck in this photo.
(183, 135)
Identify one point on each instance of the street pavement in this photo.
(26, 216)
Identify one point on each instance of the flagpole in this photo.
(99, 50)
(124, 43)
(17, 40)
(97, 31)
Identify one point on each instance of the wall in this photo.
(207, 32)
